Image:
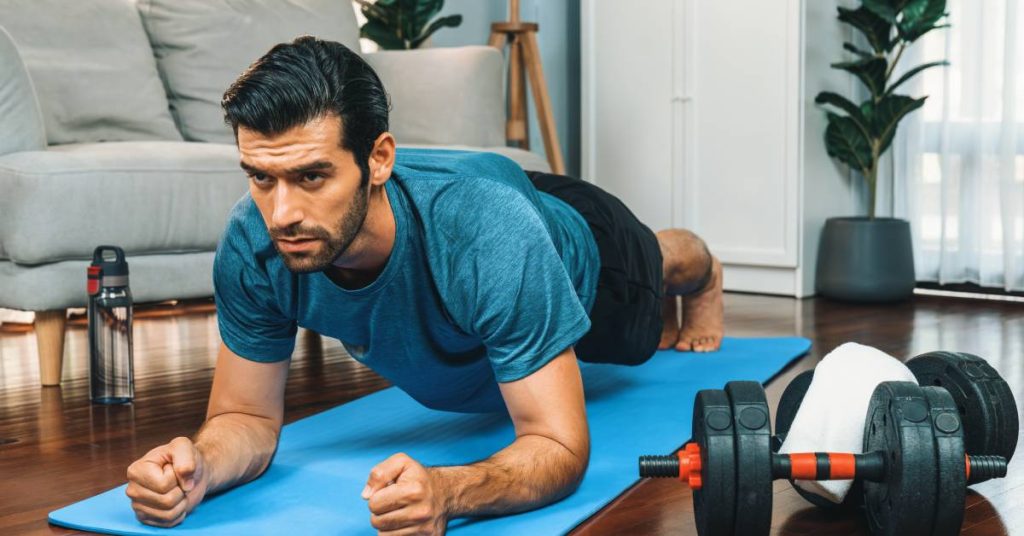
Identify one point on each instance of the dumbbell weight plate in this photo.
(785, 413)
(753, 457)
(984, 400)
(714, 503)
(898, 423)
(952, 474)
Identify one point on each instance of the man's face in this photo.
(308, 189)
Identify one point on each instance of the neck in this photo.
(369, 251)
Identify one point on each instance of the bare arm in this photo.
(548, 457)
(243, 419)
(545, 462)
(234, 445)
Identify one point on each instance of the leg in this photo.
(49, 328)
(542, 104)
(497, 40)
(692, 273)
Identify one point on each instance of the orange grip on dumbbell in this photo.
(804, 465)
(686, 465)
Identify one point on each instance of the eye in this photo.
(258, 178)
(312, 177)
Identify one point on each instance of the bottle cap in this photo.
(114, 272)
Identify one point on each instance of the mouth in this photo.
(294, 245)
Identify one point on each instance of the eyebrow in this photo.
(298, 170)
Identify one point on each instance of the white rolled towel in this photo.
(832, 414)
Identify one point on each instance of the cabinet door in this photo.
(744, 65)
(691, 114)
(628, 126)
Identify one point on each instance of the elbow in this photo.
(579, 461)
(581, 468)
(268, 448)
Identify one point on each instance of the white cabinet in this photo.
(700, 114)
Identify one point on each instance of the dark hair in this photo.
(297, 82)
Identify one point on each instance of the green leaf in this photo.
(887, 9)
(374, 11)
(381, 34)
(844, 104)
(427, 9)
(846, 142)
(450, 21)
(406, 22)
(919, 18)
(876, 30)
(870, 71)
(850, 47)
(912, 72)
(887, 114)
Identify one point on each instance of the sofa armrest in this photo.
(20, 114)
(444, 96)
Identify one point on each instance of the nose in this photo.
(287, 206)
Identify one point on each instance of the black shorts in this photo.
(626, 317)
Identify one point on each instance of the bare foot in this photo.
(670, 319)
(703, 326)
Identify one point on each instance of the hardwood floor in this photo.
(57, 448)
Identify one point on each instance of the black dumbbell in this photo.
(983, 399)
(914, 468)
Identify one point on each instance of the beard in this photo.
(332, 245)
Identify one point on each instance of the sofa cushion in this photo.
(19, 109)
(202, 46)
(143, 196)
(147, 197)
(152, 278)
(92, 68)
(444, 96)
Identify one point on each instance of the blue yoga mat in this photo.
(322, 462)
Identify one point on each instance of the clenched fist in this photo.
(404, 499)
(167, 483)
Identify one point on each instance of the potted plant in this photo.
(871, 258)
(403, 24)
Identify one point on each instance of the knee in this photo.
(686, 258)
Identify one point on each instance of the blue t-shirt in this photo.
(488, 281)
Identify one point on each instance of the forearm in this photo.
(236, 448)
(531, 472)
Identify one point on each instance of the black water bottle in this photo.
(110, 328)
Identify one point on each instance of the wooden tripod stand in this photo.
(524, 59)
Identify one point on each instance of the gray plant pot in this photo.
(866, 260)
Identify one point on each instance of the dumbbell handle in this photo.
(868, 466)
(686, 466)
(829, 466)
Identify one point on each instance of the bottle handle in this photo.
(97, 254)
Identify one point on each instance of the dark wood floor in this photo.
(56, 448)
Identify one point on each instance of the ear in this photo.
(382, 159)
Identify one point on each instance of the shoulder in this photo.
(451, 184)
(448, 162)
(245, 240)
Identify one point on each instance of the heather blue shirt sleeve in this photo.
(506, 282)
(248, 314)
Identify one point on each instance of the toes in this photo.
(707, 344)
(684, 345)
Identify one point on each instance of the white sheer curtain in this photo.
(958, 162)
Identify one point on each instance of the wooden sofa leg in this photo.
(49, 328)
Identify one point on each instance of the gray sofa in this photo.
(111, 133)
